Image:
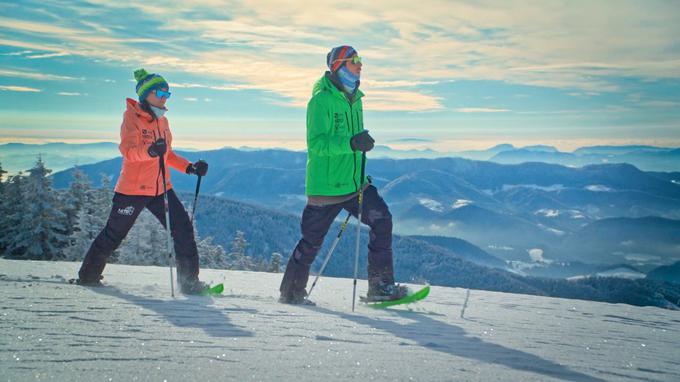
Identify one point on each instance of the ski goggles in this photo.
(160, 94)
(355, 60)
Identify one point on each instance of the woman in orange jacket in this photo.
(145, 136)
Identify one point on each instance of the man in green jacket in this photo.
(335, 141)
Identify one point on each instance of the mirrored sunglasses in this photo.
(160, 94)
(355, 60)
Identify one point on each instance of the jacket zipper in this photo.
(354, 153)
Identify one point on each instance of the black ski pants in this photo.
(316, 221)
(123, 214)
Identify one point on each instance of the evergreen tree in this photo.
(239, 244)
(2, 181)
(211, 255)
(42, 228)
(237, 258)
(262, 265)
(14, 211)
(91, 218)
(75, 199)
(102, 199)
(145, 244)
(80, 240)
(4, 212)
(275, 263)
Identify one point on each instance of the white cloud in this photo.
(47, 55)
(481, 110)
(551, 188)
(19, 89)
(395, 100)
(598, 188)
(21, 53)
(68, 94)
(431, 204)
(395, 84)
(34, 76)
(547, 212)
(461, 203)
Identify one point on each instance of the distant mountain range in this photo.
(514, 212)
(648, 158)
(17, 156)
(669, 273)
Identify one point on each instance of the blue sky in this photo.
(454, 75)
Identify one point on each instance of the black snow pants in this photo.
(316, 221)
(123, 214)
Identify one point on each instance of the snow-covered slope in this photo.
(133, 330)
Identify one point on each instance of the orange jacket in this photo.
(141, 173)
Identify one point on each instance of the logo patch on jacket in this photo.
(338, 121)
(127, 211)
(146, 134)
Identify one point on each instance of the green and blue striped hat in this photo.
(147, 82)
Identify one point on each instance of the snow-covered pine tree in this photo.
(91, 219)
(3, 211)
(79, 241)
(211, 255)
(2, 181)
(102, 198)
(262, 265)
(145, 244)
(75, 198)
(239, 244)
(237, 258)
(13, 206)
(42, 228)
(275, 263)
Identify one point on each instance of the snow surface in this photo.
(133, 330)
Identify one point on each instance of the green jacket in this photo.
(332, 167)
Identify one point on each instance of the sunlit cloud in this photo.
(23, 89)
(17, 53)
(47, 55)
(34, 76)
(481, 110)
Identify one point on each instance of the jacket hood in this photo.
(133, 106)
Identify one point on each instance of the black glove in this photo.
(199, 168)
(157, 148)
(362, 142)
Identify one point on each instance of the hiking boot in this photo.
(386, 292)
(298, 297)
(192, 287)
(88, 283)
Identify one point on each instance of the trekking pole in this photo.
(198, 187)
(166, 206)
(361, 202)
(330, 253)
